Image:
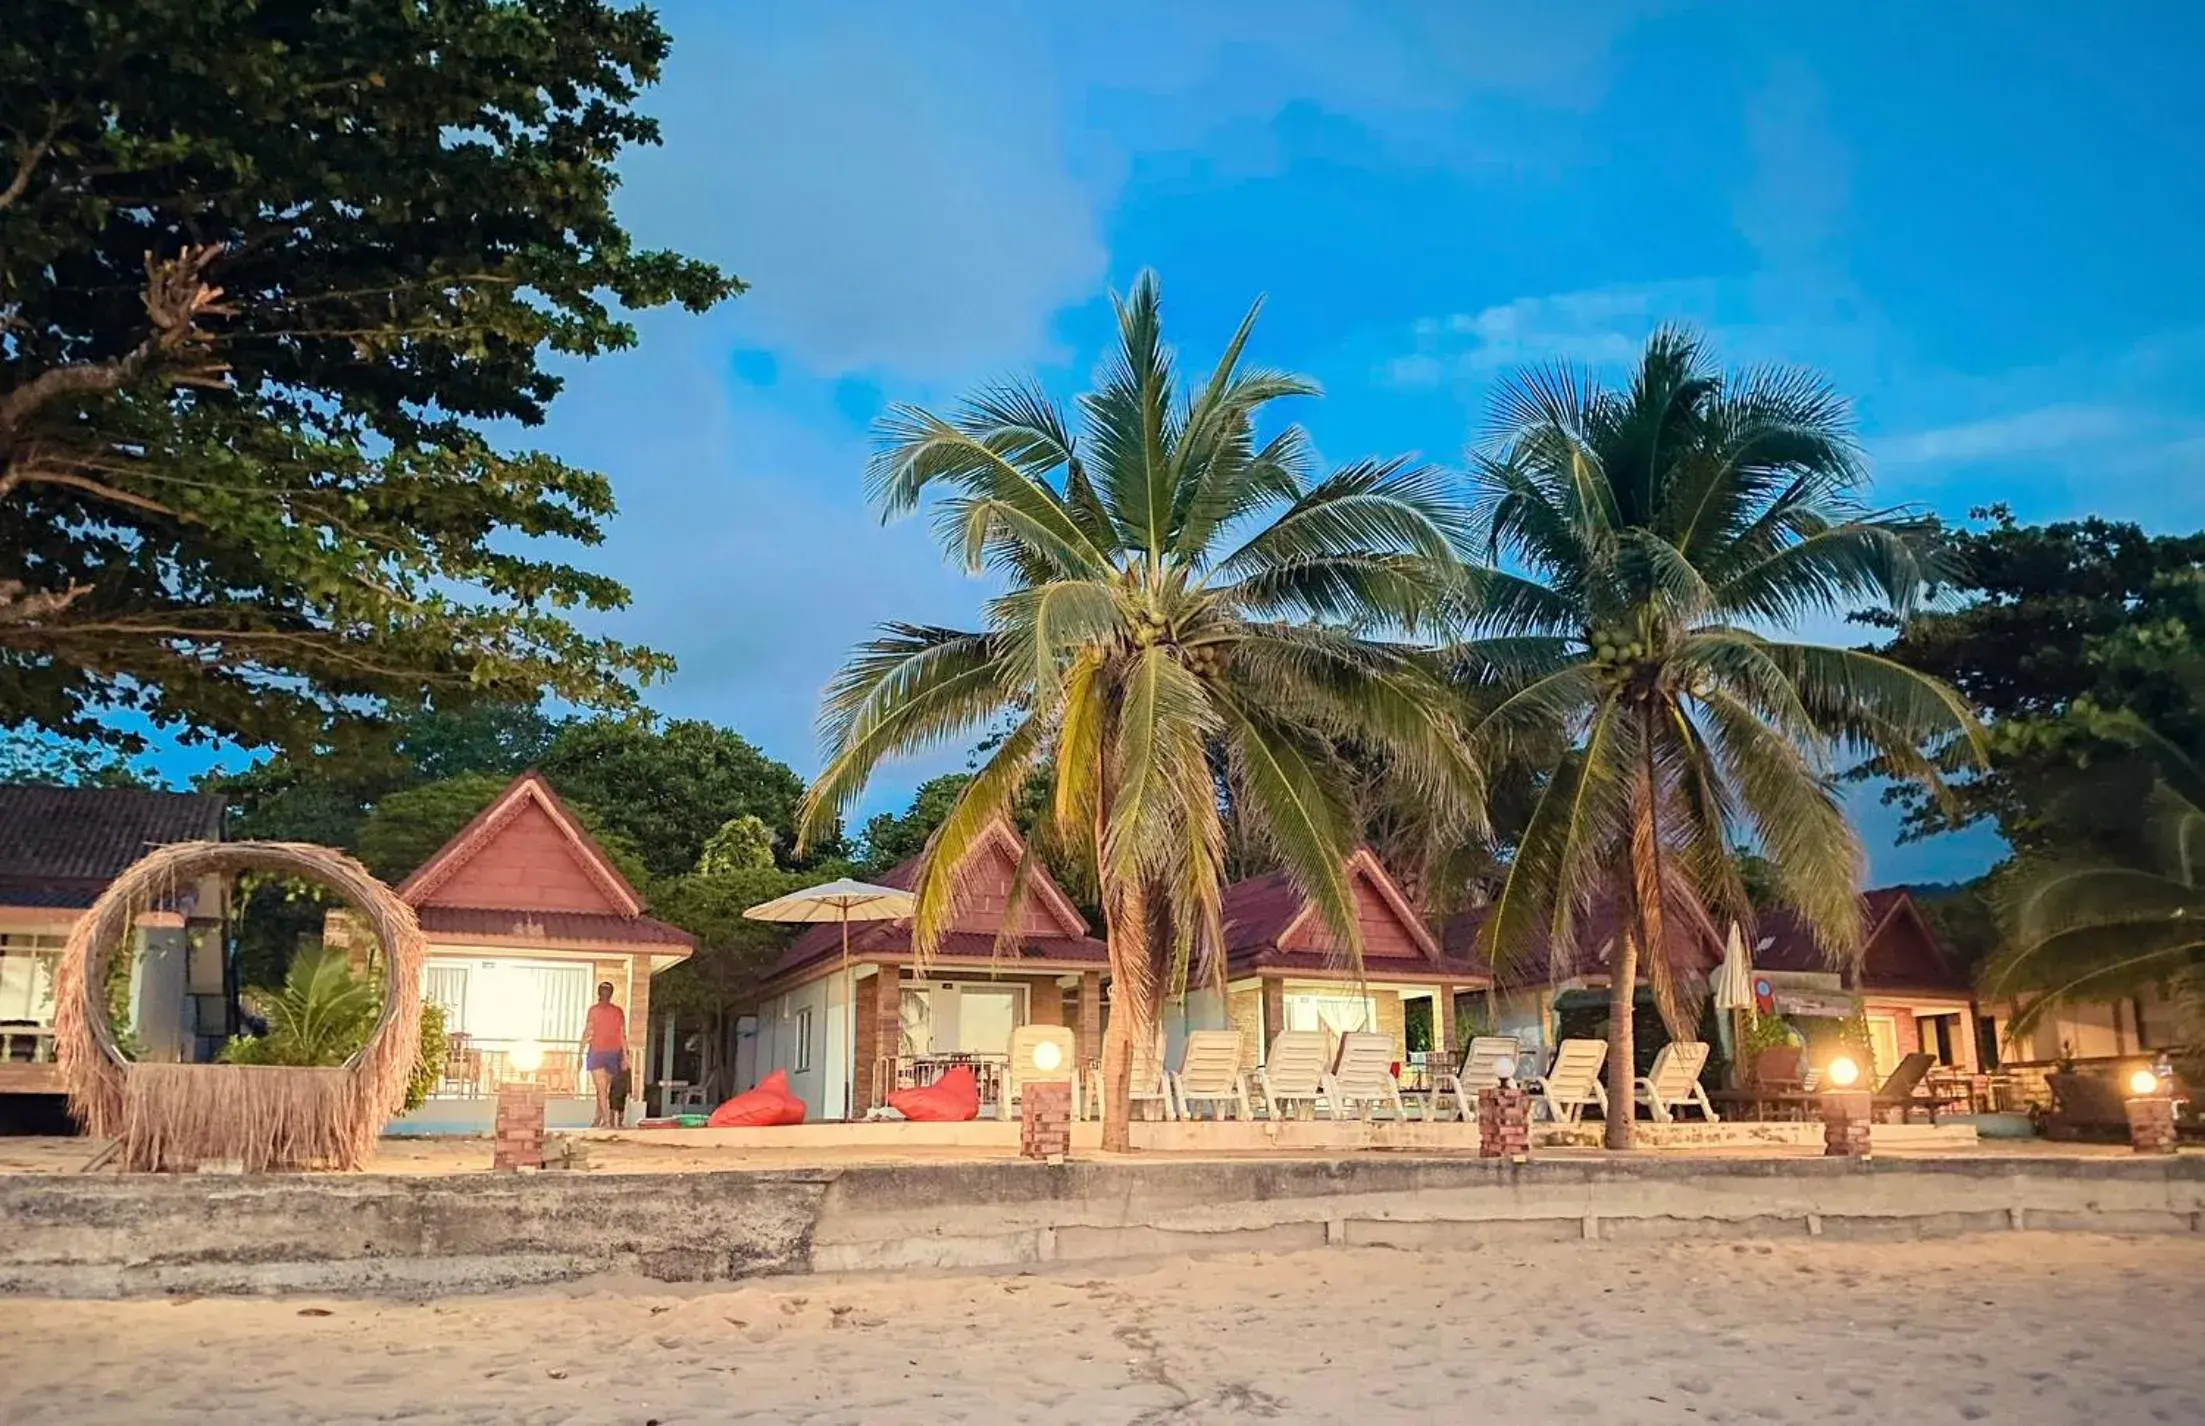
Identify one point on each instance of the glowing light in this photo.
(527, 1057)
(1048, 1056)
(1844, 1073)
(2143, 1082)
(1505, 1067)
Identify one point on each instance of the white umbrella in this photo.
(1734, 982)
(1733, 991)
(841, 901)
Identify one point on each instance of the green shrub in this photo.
(323, 1015)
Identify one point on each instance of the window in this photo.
(563, 994)
(1336, 1014)
(446, 988)
(803, 1040)
(27, 965)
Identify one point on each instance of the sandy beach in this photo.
(2006, 1328)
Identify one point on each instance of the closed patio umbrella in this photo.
(1733, 991)
(840, 901)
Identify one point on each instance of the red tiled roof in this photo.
(1260, 911)
(1902, 951)
(1596, 931)
(551, 928)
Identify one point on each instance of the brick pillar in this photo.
(2151, 1124)
(1847, 1118)
(1087, 1035)
(1045, 1119)
(1274, 1010)
(518, 1142)
(1504, 1123)
(887, 1036)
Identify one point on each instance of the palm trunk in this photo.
(1622, 1046)
(1645, 933)
(1117, 1046)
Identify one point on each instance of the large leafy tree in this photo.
(269, 271)
(1194, 619)
(2060, 634)
(1652, 535)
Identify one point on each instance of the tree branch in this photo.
(177, 296)
(28, 165)
(16, 607)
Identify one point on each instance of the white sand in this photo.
(2024, 1327)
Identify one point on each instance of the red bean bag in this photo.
(952, 1099)
(768, 1105)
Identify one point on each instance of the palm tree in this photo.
(1652, 534)
(1192, 622)
(2082, 934)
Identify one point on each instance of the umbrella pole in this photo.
(849, 1032)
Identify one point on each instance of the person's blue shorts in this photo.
(597, 1060)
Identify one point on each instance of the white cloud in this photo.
(1603, 327)
(2045, 431)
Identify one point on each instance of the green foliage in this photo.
(743, 843)
(57, 762)
(428, 1064)
(1659, 528)
(2062, 634)
(323, 1015)
(890, 839)
(270, 277)
(1826, 1039)
(407, 827)
(1763, 1033)
(732, 953)
(320, 1016)
(1181, 638)
(668, 787)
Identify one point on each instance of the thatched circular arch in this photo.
(262, 1116)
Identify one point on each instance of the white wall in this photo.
(824, 1084)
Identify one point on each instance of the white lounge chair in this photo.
(1479, 1070)
(1572, 1082)
(1209, 1073)
(1362, 1076)
(1674, 1082)
(1150, 1084)
(1024, 1066)
(1293, 1071)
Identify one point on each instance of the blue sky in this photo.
(1980, 219)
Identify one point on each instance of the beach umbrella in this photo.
(1733, 992)
(840, 901)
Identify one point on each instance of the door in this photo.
(986, 1015)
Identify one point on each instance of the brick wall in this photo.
(1388, 1005)
(1245, 1010)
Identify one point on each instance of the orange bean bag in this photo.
(952, 1099)
(768, 1105)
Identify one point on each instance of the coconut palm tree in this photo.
(1648, 540)
(2083, 934)
(1192, 622)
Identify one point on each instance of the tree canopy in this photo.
(268, 274)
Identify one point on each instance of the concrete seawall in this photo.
(145, 1236)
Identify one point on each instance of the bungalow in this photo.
(849, 1031)
(60, 847)
(1913, 995)
(1284, 969)
(524, 916)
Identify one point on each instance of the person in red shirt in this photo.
(604, 1049)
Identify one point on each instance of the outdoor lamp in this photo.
(2143, 1082)
(1048, 1056)
(527, 1057)
(1504, 1068)
(1844, 1073)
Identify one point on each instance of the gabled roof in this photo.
(525, 794)
(455, 906)
(1270, 924)
(1596, 929)
(989, 864)
(61, 846)
(1901, 952)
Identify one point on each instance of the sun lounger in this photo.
(1674, 1082)
(1573, 1082)
(1150, 1084)
(1209, 1073)
(1898, 1091)
(1362, 1076)
(1293, 1071)
(1479, 1070)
